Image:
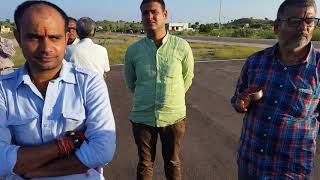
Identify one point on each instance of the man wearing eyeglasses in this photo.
(72, 31)
(280, 128)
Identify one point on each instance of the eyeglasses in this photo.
(296, 21)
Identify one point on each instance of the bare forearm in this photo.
(59, 167)
(31, 158)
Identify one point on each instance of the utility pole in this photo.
(220, 14)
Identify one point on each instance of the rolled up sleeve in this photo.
(8, 151)
(100, 133)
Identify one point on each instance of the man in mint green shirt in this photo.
(159, 71)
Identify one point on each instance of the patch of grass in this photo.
(8, 35)
(117, 45)
(18, 58)
(202, 51)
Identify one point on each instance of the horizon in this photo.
(206, 11)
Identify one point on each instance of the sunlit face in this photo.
(42, 38)
(295, 37)
(153, 17)
(72, 31)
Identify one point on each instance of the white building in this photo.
(4, 29)
(178, 27)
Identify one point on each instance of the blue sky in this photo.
(203, 11)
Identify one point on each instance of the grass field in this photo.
(117, 44)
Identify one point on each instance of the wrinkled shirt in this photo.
(159, 79)
(77, 100)
(278, 138)
(6, 51)
(89, 55)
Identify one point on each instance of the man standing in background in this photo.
(86, 53)
(6, 52)
(158, 71)
(73, 39)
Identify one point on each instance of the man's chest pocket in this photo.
(24, 130)
(305, 102)
(73, 121)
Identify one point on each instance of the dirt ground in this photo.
(213, 128)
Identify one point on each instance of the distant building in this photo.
(178, 27)
(4, 29)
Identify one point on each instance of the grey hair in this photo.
(85, 27)
(295, 3)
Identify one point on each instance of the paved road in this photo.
(263, 43)
(213, 129)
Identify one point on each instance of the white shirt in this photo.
(89, 55)
(76, 41)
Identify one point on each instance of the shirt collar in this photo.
(311, 54)
(164, 40)
(85, 40)
(66, 74)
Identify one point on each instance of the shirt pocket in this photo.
(302, 103)
(73, 121)
(25, 129)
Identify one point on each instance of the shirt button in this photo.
(269, 117)
(281, 85)
(276, 102)
(264, 135)
(285, 68)
(261, 150)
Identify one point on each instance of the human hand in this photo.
(245, 98)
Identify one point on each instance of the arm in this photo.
(187, 68)
(129, 72)
(59, 167)
(100, 126)
(107, 66)
(240, 101)
(7, 48)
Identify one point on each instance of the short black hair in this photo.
(295, 3)
(72, 19)
(18, 13)
(161, 2)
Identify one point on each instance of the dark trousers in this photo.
(146, 139)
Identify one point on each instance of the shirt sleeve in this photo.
(100, 133)
(129, 72)
(187, 68)
(8, 151)
(242, 84)
(107, 68)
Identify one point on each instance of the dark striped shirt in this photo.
(279, 131)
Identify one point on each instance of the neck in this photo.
(157, 37)
(293, 56)
(41, 78)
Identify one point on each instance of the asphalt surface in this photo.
(263, 43)
(213, 128)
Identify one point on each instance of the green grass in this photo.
(117, 45)
(203, 51)
(18, 58)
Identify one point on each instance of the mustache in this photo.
(301, 34)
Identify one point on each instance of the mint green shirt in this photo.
(159, 79)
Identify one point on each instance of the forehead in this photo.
(41, 15)
(295, 11)
(151, 6)
(72, 23)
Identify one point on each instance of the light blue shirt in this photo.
(77, 100)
